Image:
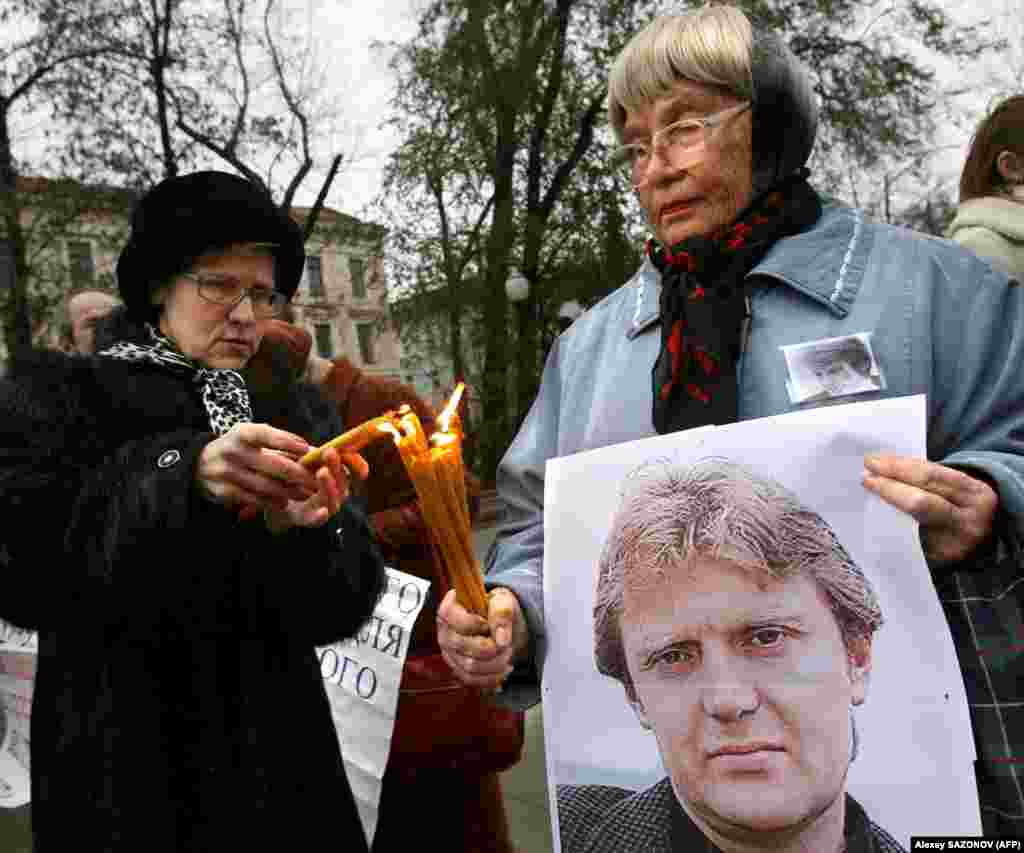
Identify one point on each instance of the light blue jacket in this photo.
(944, 324)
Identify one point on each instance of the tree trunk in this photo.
(494, 430)
(528, 374)
(455, 331)
(459, 368)
(526, 363)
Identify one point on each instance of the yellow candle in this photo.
(452, 540)
(447, 456)
(438, 476)
(443, 463)
(353, 441)
(412, 429)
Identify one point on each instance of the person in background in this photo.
(715, 120)
(990, 218)
(179, 704)
(83, 308)
(449, 744)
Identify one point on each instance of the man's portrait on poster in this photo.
(741, 631)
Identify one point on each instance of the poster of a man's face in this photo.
(747, 687)
(721, 606)
(740, 632)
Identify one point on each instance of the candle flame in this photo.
(394, 433)
(449, 409)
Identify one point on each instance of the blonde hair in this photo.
(712, 45)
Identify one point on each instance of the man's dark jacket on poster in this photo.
(605, 819)
(178, 704)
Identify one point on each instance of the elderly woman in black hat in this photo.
(750, 278)
(178, 562)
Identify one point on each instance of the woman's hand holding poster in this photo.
(747, 644)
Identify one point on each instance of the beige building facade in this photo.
(342, 298)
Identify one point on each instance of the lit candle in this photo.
(438, 475)
(446, 463)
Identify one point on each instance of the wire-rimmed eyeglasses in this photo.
(228, 291)
(676, 143)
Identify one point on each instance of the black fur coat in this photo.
(178, 704)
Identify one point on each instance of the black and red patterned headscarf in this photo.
(703, 305)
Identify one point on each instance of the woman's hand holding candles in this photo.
(438, 475)
(437, 472)
(254, 464)
(332, 479)
(312, 472)
(482, 651)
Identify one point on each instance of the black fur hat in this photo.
(183, 217)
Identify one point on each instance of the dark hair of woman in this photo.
(1002, 130)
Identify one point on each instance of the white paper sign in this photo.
(18, 657)
(914, 770)
(362, 676)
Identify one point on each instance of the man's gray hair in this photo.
(719, 509)
(719, 46)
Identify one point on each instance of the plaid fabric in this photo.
(985, 610)
(604, 819)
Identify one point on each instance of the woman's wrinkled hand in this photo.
(482, 652)
(254, 465)
(332, 480)
(955, 510)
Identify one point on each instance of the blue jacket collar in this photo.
(826, 263)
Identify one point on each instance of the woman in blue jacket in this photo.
(749, 281)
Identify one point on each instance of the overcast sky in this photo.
(345, 30)
(361, 85)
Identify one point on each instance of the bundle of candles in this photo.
(437, 472)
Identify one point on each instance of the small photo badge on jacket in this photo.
(831, 368)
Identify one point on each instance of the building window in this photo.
(357, 268)
(314, 277)
(324, 340)
(365, 333)
(80, 264)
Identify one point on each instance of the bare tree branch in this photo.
(234, 32)
(295, 107)
(39, 73)
(314, 212)
(584, 139)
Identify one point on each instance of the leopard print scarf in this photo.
(223, 391)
